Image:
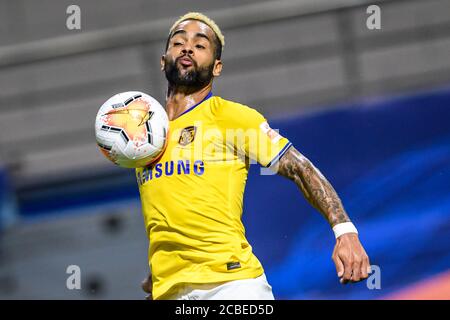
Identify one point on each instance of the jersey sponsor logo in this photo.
(170, 168)
(187, 135)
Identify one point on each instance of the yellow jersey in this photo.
(192, 196)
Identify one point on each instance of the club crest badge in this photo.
(187, 135)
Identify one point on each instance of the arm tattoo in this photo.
(315, 187)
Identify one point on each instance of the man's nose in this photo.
(187, 50)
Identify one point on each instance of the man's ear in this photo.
(217, 68)
(163, 62)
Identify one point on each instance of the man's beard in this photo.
(196, 78)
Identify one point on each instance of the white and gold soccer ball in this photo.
(131, 129)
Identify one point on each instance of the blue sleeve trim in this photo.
(279, 155)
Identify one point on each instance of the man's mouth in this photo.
(186, 62)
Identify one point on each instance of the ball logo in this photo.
(133, 118)
(187, 135)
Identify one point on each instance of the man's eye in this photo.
(200, 46)
(177, 44)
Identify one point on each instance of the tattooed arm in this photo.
(315, 187)
(350, 258)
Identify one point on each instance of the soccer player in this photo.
(192, 197)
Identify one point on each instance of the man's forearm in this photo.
(315, 187)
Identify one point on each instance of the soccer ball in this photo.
(131, 129)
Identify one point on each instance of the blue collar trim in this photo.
(209, 95)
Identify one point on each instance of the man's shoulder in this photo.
(224, 107)
(231, 114)
(219, 101)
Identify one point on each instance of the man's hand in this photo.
(350, 258)
(147, 286)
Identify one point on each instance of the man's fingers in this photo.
(339, 266)
(356, 271)
(365, 268)
(347, 270)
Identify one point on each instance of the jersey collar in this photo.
(209, 95)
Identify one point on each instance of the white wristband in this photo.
(342, 228)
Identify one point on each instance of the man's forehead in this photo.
(194, 26)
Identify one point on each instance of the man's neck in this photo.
(179, 100)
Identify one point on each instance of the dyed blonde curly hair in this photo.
(209, 22)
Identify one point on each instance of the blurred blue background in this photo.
(370, 108)
(390, 161)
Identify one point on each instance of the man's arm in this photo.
(350, 258)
